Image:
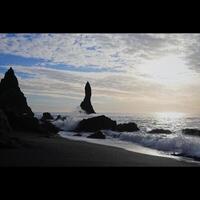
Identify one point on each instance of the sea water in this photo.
(141, 141)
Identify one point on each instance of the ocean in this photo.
(167, 145)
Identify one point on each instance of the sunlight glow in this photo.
(170, 69)
(171, 115)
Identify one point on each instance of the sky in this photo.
(128, 73)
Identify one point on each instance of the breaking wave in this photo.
(175, 143)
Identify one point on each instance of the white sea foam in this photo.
(71, 120)
(175, 143)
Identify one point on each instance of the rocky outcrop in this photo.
(97, 135)
(96, 124)
(11, 97)
(129, 127)
(86, 103)
(31, 124)
(48, 129)
(46, 116)
(4, 124)
(194, 132)
(23, 122)
(59, 117)
(13, 103)
(5, 129)
(160, 131)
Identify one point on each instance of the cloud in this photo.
(80, 50)
(57, 66)
(107, 87)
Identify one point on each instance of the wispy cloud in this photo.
(56, 67)
(80, 50)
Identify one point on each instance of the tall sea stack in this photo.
(11, 97)
(86, 103)
(13, 103)
(20, 116)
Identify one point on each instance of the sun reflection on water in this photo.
(170, 115)
(168, 120)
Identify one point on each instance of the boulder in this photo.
(129, 127)
(59, 117)
(47, 128)
(97, 135)
(96, 124)
(46, 116)
(188, 131)
(161, 131)
(86, 103)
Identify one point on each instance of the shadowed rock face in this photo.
(86, 103)
(161, 131)
(11, 97)
(189, 131)
(129, 127)
(4, 124)
(95, 124)
(46, 116)
(97, 135)
(13, 103)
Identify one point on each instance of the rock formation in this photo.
(48, 129)
(11, 97)
(96, 124)
(59, 117)
(160, 131)
(5, 140)
(86, 103)
(129, 127)
(13, 103)
(194, 132)
(4, 124)
(97, 135)
(46, 116)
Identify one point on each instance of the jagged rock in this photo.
(19, 114)
(188, 131)
(47, 128)
(129, 127)
(59, 117)
(96, 124)
(6, 139)
(4, 124)
(161, 131)
(86, 103)
(14, 104)
(11, 97)
(23, 122)
(46, 116)
(97, 135)
(31, 124)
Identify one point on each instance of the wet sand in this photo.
(39, 151)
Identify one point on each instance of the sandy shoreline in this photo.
(60, 152)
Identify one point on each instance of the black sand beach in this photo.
(39, 151)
